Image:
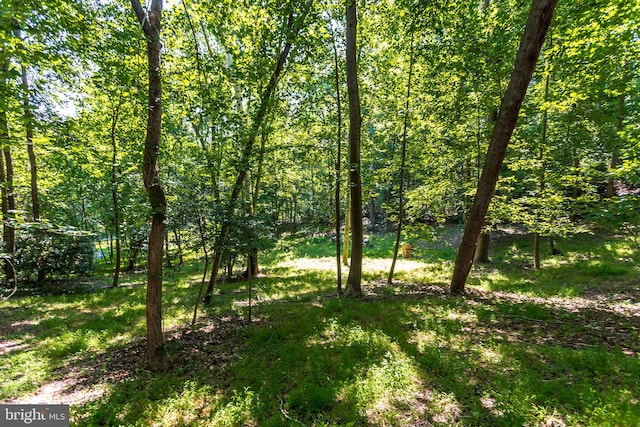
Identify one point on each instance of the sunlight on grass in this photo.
(523, 347)
(22, 372)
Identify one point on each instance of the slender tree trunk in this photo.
(611, 191)
(535, 31)
(8, 197)
(166, 249)
(294, 29)
(253, 258)
(28, 124)
(354, 287)
(176, 235)
(403, 159)
(467, 198)
(150, 22)
(201, 228)
(133, 256)
(481, 255)
(347, 230)
(336, 68)
(114, 193)
(543, 144)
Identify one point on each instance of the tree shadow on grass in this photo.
(405, 355)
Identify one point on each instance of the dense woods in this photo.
(209, 136)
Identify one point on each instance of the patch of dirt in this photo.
(86, 378)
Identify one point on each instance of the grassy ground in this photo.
(553, 347)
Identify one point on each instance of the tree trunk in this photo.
(133, 256)
(372, 211)
(611, 191)
(176, 236)
(114, 194)
(552, 247)
(347, 230)
(543, 143)
(150, 22)
(338, 162)
(536, 251)
(253, 255)
(167, 254)
(8, 197)
(481, 255)
(402, 167)
(28, 124)
(294, 28)
(535, 31)
(354, 288)
(201, 228)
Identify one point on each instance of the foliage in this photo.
(44, 252)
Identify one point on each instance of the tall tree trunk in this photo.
(336, 69)
(150, 22)
(535, 31)
(543, 144)
(294, 29)
(354, 287)
(8, 197)
(28, 124)
(114, 193)
(611, 191)
(403, 158)
(253, 262)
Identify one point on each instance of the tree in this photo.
(535, 31)
(293, 28)
(6, 177)
(150, 21)
(403, 159)
(354, 288)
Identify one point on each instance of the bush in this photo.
(44, 252)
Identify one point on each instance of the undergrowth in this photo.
(555, 346)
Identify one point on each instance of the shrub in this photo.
(44, 252)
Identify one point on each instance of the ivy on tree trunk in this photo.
(150, 21)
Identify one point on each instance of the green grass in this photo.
(524, 347)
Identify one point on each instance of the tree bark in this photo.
(481, 255)
(150, 22)
(114, 194)
(245, 159)
(402, 168)
(611, 191)
(8, 197)
(536, 251)
(347, 230)
(28, 124)
(543, 143)
(535, 31)
(354, 287)
(338, 161)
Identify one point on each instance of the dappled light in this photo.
(384, 213)
(506, 352)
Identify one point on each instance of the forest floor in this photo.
(558, 346)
